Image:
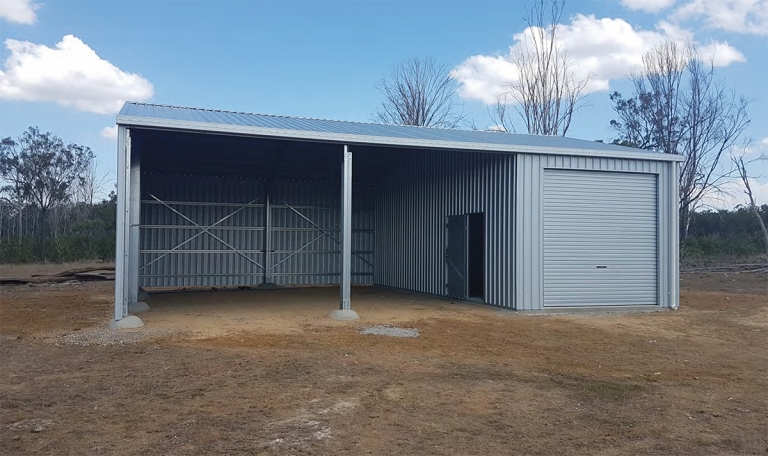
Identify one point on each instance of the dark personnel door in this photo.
(456, 257)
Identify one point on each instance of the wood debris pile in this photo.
(728, 268)
(81, 275)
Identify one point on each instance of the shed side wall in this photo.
(411, 209)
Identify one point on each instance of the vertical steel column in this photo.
(268, 235)
(134, 220)
(121, 237)
(674, 286)
(346, 229)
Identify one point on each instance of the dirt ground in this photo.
(264, 372)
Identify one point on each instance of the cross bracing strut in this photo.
(203, 230)
(324, 231)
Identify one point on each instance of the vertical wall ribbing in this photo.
(206, 261)
(528, 217)
(411, 210)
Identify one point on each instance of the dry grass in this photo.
(256, 373)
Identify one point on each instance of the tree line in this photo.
(733, 233)
(48, 202)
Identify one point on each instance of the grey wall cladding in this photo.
(528, 216)
(319, 261)
(411, 210)
(199, 259)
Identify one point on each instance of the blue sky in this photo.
(67, 65)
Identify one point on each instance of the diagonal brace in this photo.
(303, 247)
(326, 232)
(203, 230)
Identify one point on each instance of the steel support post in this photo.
(121, 237)
(133, 227)
(268, 236)
(346, 229)
(675, 235)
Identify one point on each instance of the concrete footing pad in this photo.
(596, 310)
(268, 286)
(129, 322)
(137, 307)
(342, 315)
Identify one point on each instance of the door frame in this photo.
(463, 269)
(452, 269)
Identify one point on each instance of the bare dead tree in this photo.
(546, 92)
(678, 107)
(498, 113)
(89, 183)
(741, 168)
(419, 92)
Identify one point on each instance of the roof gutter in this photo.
(343, 138)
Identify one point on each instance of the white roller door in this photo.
(600, 238)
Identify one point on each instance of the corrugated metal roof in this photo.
(195, 119)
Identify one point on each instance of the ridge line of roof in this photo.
(154, 122)
(281, 116)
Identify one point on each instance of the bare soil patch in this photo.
(726, 282)
(264, 372)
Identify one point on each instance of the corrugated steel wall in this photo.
(413, 203)
(202, 260)
(411, 210)
(320, 261)
(528, 246)
(199, 259)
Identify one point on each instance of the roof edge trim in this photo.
(132, 121)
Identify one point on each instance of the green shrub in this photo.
(719, 247)
(71, 247)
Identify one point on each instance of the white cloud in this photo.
(741, 16)
(649, 6)
(482, 77)
(720, 54)
(19, 11)
(71, 74)
(109, 132)
(732, 194)
(752, 150)
(605, 48)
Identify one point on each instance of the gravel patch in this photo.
(105, 336)
(391, 331)
(32, 425)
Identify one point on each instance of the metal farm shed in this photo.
(532, 223)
